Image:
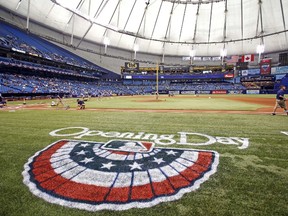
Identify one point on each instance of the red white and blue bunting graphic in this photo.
(90, 176)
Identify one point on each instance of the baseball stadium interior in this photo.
(144, 107)
(36, 62)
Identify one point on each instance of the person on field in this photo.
(2, 101)
(81, 104)
(280, 100)
(59, 101)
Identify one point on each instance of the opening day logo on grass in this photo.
(123, 173)
(118, 175)
(185, 138)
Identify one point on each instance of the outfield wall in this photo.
(19, 96)
(218, 92)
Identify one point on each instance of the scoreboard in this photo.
(131, 67)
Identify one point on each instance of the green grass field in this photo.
(171, 103)
(250, 181)
(203, 102)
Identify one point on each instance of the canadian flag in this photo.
(247, 58)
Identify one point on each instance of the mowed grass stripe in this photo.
(248, 182)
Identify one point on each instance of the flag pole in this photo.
(157, 79)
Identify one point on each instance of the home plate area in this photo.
(117, 175)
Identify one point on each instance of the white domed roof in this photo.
(172, 27)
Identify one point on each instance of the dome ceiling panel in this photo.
(250, 19)
(233, 22)
(169, 26)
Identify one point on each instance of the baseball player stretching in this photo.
(59, 101)
(280, 100)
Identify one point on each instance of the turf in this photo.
(149, 102)
(251, 181)
(203, 102)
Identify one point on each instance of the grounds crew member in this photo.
(280, 100)
(81, 104)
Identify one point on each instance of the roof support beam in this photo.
(112, 16)
(89, 8)
(100, 8)
(84, 35)
(167, 30)
(163, 52)
(146, 7)
(144, 27)
(283, 15)
(196, 23)
(72, 33)
(91, 24)
(169, 23)
(129, 15)
(28, 16)
(242, 29)
(81, 2)
(51, 10)
(118, 17)
(225, 22)
(156, 19)
(259, 19)
(126, 23)
(211, 13)
(183, 19)
(257, 23)
(193, 2)
(283, 19)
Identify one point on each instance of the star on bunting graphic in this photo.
(158, 160)
(135, 165)
(84, 145)
(171, 152)
(81, 152)
(87, 160)
(107, 165)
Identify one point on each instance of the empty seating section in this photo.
(150, 86)
(40, 67)
(18, 83)
(21, 41)
(283, 81)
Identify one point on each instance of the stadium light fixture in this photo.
(136, 49)
(223, 52)
(18, 4)
(192, 53)
(106, 41)
(260, 49)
